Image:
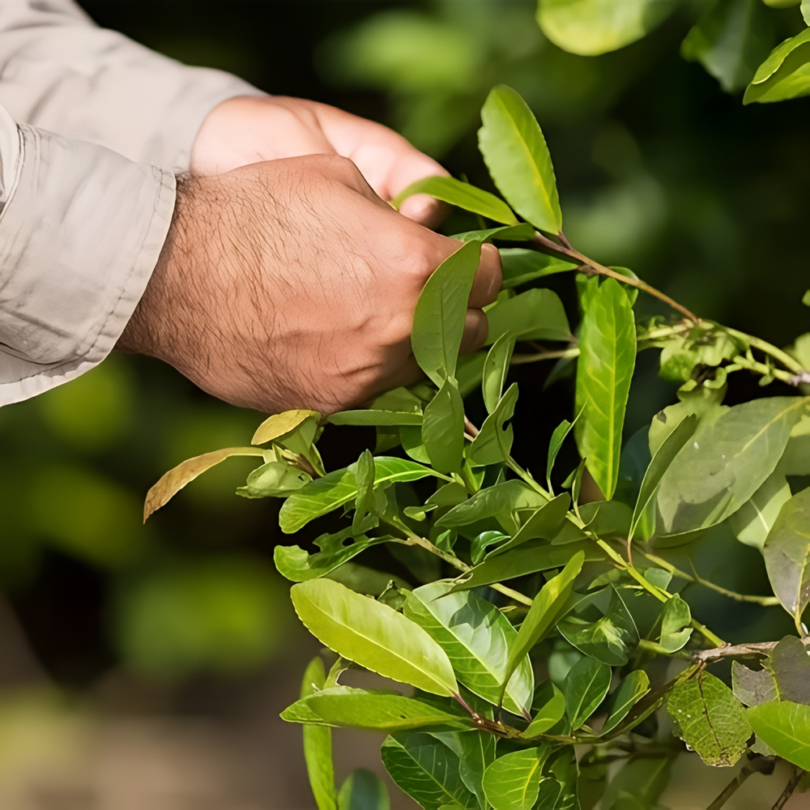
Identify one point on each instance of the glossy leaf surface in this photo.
(585, 688)
(280, 424)
(630, 692)
(784, 727)
(494, 442)
(512, 781)
(784, 74)
(548, 715)
(521, 266)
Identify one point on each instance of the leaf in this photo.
(274, 479)
(375, 417)
(528, 559)
(512, 781)
(785, 727)
(476, 637)
(281, 424)
(787, 553)
(462, 195)
(363, 790)
(753, 521)
(426, 770)
(543, 524)
(658, 466)
(789, 665)
(730, 40)
(630, 692)
(548, 715)
(712, 721)
(346, 707)
(521, 266)
(477, 754)
(324, 495)
(608, 633)
(494, 442)
(373, 635)
(726, 463)
(593, 27)
(586, 685)
(784, 74)
(549, 791)
(675, 624)
(518, 159)
(555, 445)
(805, 8)
(506, 233)
(318, 744)
(544, 613)
(752, 686)
(496, 367)
(438, 322)
(443, 429)
(536, 314)
(638, 784)
(174, 480)
(605, 368)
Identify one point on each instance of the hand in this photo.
(246, 129)
(291, 284)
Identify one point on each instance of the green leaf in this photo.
(324, 495)
(638, 784)
(518, 159)
(544, 613)
(806, 11)
(346, 707)
(555, 445)
(548, 715)
(789, 665)
(784, 74)
(426, 769)
(806, 296)
(507, 233)
(373, 635)
(174, 480)
(785, 727)
(586, 685)
(658, 466)
(753, 521)
(726, 463)
(282, 424)
(730, 40)
(375, 417)
(276, 478)
(675, 624)
(443, 429)
(712, 721)
(494, 442)
(318, 744)
(606, 632)
(462, 195)
(476, 637)
(787, 554)
(477, 754)
(543, 524)
(521, 266)
(438, 322)
(630, 692)
(530, 558)
(531, 315)
(362, 790)
(752, 686)
(496, 368)
(593, 27)
(512, 781)
(605, 368)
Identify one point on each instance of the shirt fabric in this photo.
(93, 128)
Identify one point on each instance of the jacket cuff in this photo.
(80, 236)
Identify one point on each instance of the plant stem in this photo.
(756, 765)
(544, 245)
(520, 359)
(738, 651)
(757, 343)
(763, 369)
(790, 787)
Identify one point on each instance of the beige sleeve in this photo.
(92, 129)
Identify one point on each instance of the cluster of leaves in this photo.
(734, 40)
(544, 620)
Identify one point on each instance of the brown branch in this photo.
(790, 787)
(756, 765)
(470, 428)
(738, 651)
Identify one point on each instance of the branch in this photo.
(757, 765)
(738, 651)
(789, 788)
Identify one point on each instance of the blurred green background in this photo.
(144, 666)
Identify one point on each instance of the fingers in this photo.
(488, 279)
(476, 330)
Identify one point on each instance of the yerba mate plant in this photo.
(550, 632)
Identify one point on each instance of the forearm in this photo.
(61, 72)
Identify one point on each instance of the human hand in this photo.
(291, 284)
(247, 129)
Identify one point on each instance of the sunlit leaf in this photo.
(363, 790)
(438, 322)
(462, 195)
(784, 74)
(787, 554)
(346, 707)
(536, 314)
(274, 479)
(427, 770)
(512, 781)
(586, 685)
(711, 720)
(521, 266)
(477, 638)
(373, 635)
(477, 753)
(506, 233)
(604, 371)
(548, 715)
(280, 424)
(318, 744)
(174, 480)
(518, 159)
(675, 624)
(593, 27)
(785, 727)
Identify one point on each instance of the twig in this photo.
(520, 359)
(790, 787)
(738, 651)
(757, 765)
(470, 428)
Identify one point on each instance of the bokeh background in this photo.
(145, 666)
